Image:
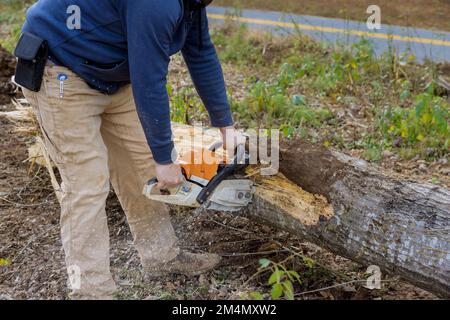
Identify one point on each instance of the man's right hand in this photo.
(169, 175)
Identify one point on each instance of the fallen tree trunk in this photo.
(353, 209)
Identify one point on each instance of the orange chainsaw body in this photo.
(201, 163)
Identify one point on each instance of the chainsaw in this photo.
(208, 183)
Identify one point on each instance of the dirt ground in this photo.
(432, 14)
(6, 70)
(33, 261)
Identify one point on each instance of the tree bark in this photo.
(355, 210)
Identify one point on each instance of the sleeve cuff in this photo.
(221, 118)
(166, 154)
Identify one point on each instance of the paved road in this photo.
(423, 44)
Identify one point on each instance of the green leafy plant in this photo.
(281, 281)
(269, 104)
(419, 130)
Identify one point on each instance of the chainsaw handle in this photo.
(240, 151)
(215, 146)
(240, 154)
(150, 185)
(227, 170)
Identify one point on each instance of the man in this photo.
(102, 54)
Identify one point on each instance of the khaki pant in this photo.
(93, 139)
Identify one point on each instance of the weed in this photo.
(269, 104)
(281, 281)
(422, 130)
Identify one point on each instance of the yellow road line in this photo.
(301, 26)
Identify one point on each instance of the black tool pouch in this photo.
(32, 54)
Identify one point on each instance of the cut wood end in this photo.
(305, 207)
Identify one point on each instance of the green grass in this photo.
(271, 104)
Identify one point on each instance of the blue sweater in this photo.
(123, 41)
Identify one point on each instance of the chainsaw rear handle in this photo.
(151, 184)
(183, 195)
(222, 175)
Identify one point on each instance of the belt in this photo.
(53, 61)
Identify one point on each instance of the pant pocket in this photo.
(45, 115)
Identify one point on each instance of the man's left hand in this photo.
(231, 139)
